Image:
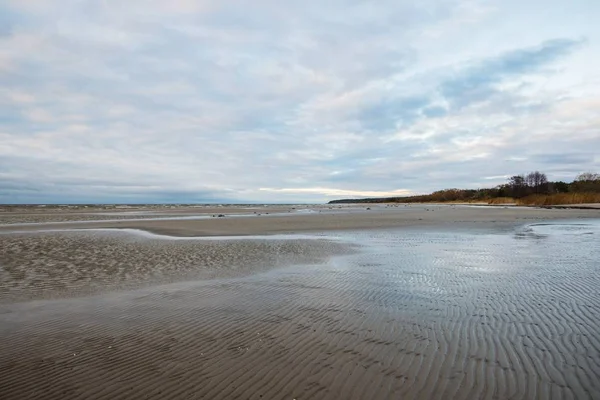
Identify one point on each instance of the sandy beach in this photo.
(290, 219)
(322, 302)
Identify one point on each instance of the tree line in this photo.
(536, 182)
(517, 187)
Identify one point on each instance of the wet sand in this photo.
(39, 214)
(48, 265)
(313, 219)
(421, 305)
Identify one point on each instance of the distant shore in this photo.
(588, 206)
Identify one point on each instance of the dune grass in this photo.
(502, 200)
(558, 199)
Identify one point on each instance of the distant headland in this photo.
(532, 189)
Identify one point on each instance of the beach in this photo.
(256, 220)
(300, 302)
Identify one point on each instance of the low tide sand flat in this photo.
(73, 263)
(302, 219)
(417, 302)
(38, 214)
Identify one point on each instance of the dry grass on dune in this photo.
(549, 199)
(559, 198)
(502, 200)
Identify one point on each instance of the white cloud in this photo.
(330, 192)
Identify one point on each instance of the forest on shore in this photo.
(531, 189)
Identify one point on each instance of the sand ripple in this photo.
(64, 263)
(428, 315)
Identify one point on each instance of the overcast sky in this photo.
(292, 101)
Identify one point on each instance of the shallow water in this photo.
(419, 313)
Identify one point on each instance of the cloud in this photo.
(479, 82)
(330, 192)
(565, 159)
(152, 101)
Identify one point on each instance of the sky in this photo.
(265, 101)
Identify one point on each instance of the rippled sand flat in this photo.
(415, 313)
(279, 219)
(15, 215)
(67, 263)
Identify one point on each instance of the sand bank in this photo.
(38, 214)
(54, 264)
(326, 218)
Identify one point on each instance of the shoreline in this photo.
(324, 219)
